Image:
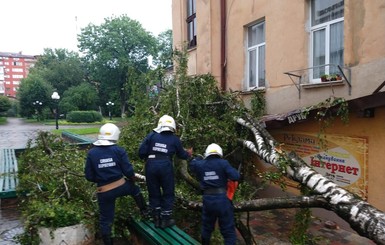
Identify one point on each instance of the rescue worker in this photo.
(108, 166)
(158, 148)
(213, 173)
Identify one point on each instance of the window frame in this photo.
(191, 23)
(313, 29)
(257, 49)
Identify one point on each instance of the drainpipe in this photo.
(223, 44)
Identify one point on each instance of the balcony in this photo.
(320, 76)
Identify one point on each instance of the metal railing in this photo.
(305, 76)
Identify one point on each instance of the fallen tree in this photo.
(367, 220)
(205, 114)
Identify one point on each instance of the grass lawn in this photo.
(79, 131)
(3, 120)
(92, 129)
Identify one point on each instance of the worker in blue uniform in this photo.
(158, 149)
(214, 173)
(108, 166)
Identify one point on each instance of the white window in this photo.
(191, 23)
(256, 56)
(17, 76)
(327, 37)
(17, 69)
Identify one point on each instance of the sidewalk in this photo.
(10, 224)
(273, 227)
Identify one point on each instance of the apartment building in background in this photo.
(13, 68)
(300, 53)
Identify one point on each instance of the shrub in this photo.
(84, 116)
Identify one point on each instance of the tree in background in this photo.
(116, 54)
(83, 97)
(56, 70)
(60, 68)
(34, 88)
(5, 104)
(164, 58)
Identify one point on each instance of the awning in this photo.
(363, 106)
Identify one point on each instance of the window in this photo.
(191, 23)
(256, 56)
(327, 35)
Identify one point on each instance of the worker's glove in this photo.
(231, 187)
(190, 151)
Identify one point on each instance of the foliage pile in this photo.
(52, 187)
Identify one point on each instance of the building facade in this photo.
(300, 53)
(13, 68)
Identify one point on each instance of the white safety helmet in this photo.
(108, 134)
(165, 123)
(213, 149)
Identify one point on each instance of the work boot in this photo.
(166, 220)
(141, 203)
(107, 240)
(156, 217)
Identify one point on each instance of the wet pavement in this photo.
(271, 227)
(10, 225)
(274, 227)
(16, 133)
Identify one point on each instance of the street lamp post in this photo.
(109, 104)
(37, 104)
(55, 96)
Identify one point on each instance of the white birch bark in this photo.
(365, 219)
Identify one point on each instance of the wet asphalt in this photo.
(16, 132)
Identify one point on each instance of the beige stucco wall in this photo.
(287, 47)
(205, 57)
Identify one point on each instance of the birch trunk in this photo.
(365, 219)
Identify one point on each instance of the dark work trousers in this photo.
(218, 207)
(160, 184)
(106, 201)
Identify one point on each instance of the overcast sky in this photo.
(32, 25)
